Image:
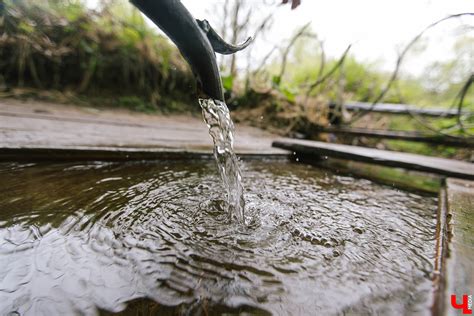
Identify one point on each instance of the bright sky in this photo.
(378, 28)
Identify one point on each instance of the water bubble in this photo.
(358, 230)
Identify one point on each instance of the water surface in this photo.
(88, 238)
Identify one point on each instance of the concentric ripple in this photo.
(154, 238)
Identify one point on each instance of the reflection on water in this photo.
(78, 239)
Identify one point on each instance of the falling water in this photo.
(221, 128)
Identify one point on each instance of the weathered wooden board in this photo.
(412, 136)
(448, 167)
(459, 270)
(441, 252)
(36, 130)
(87, 153)
(392, 108)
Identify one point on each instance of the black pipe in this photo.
(176, 21)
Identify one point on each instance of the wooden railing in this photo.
(395, 109)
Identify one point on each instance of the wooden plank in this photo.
(459, 270)
(25, 128)
(30, 154)
(448, 167)
(404, 179)
(401, 135)
(392, 108)
(441, 251)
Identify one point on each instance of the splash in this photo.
(221, 128)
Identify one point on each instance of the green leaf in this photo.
(290, 95)
(276, 80)
(26, 27)
(228, 82)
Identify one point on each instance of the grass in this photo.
(110, 54)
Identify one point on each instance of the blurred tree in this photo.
(239, 19)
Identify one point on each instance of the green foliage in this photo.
(421, 148)
(228, 82)
(276, 80)
(135, 103)
(62, 45)
(289, 94)
(360, 81)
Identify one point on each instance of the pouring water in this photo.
(221, 128)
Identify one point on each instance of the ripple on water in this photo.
(82, 238)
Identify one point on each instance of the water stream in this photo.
(221, 128)
(88, 238)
